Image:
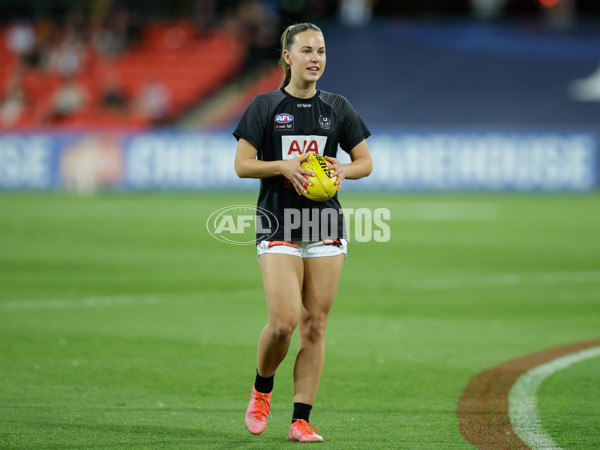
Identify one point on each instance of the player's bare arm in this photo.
(361, 164)
(247, 166)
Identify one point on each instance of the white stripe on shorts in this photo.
(303, 249)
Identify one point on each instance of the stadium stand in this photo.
(187, 64)
(226, 110)
(396, 72)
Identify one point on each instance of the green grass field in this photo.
(124, 324)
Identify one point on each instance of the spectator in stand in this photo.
(113, 97)
(116, 33)
(68, 58)
(14, 99)
(259, 27)
(76, 23)
(68, 99)
(37, 57)
(20, 38)
(153, 101)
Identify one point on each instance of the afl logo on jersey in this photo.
(284, 121)
(284, 118)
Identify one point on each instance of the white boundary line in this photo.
(522, 399)
(508, 279)
(117, 300)
(440, 284)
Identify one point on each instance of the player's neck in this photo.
(302, 90)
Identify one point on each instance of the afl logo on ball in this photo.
(284, 121)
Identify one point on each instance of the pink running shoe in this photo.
(258, 411)
(303, 431)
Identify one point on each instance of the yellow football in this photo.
(322, 186)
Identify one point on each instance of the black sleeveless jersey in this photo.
(281, 126)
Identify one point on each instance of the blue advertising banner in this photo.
(403, 161)
(27, 162)
(489, 161)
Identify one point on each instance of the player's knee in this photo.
(282, 329)
(314, 328)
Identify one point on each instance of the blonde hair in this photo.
(287, 40)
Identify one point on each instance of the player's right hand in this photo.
(295, 173)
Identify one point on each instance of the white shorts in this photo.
(317, 249)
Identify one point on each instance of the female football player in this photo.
(300, 273)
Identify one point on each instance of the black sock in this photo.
(263, 385)
(301, 411)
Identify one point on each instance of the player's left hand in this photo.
(337, 169)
